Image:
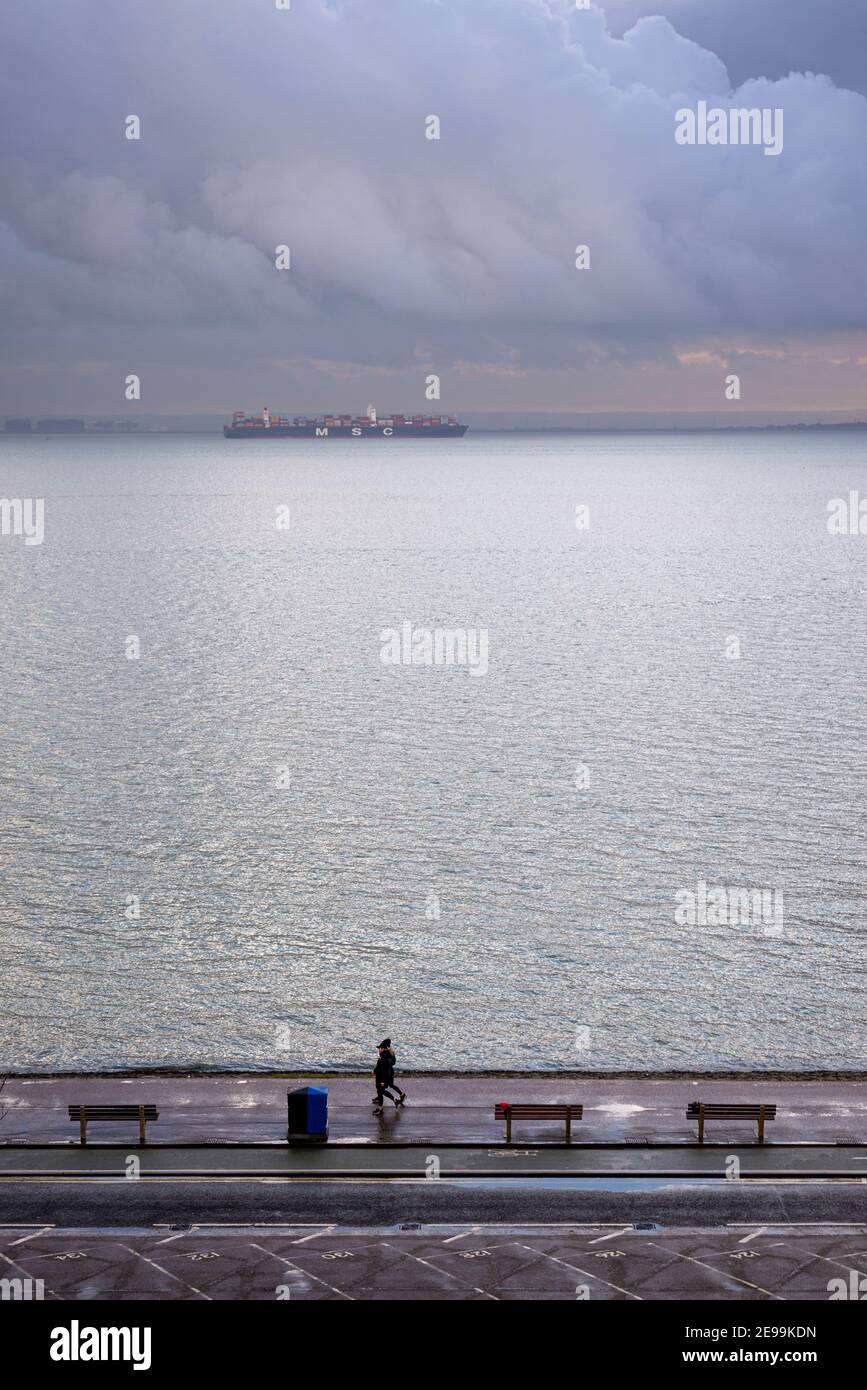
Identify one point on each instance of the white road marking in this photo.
(167, 1272)
(408, 1254)
(853, 1254)
(722, 1274)
(610, 1236)
(22, 1270)
(744, 1240)
(179, 1235)
(305, 1273)
(586, 1273)
(32, 1236)
(315, 1235)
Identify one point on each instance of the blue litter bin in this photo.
(308, 1114)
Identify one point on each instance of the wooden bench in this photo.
(730, 1111)
(142, 1113)
(568, 1113)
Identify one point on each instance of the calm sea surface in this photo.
(322, 848)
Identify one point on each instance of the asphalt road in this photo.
(145, 1202)
(772, 1264)
(416, 1161)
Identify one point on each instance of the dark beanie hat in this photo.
(386, 1042)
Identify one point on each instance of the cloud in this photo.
(307, 127)
(766, 38)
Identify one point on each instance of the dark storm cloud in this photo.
(306, 127)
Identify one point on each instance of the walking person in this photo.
(383, 1074)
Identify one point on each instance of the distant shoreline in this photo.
(150, 431)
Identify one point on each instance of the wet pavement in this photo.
(430, 1161)
(457, 1109)
(516, 1262)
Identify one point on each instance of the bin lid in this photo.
(309, 1091)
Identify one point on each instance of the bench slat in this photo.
(527, 1112)
(112, 1112)
(557, 1112)
(732, 1111)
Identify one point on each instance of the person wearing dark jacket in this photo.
(384, 1076)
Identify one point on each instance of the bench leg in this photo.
(761, 1124)
(568, 1127)
(701, 1124)
(508, 1126)
(141, 1125)
(82, 1125)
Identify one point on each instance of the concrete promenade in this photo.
(202, 1109)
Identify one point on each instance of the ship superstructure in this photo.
(368, 426)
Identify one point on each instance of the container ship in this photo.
(369, 426)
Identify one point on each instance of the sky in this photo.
(306, 127)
